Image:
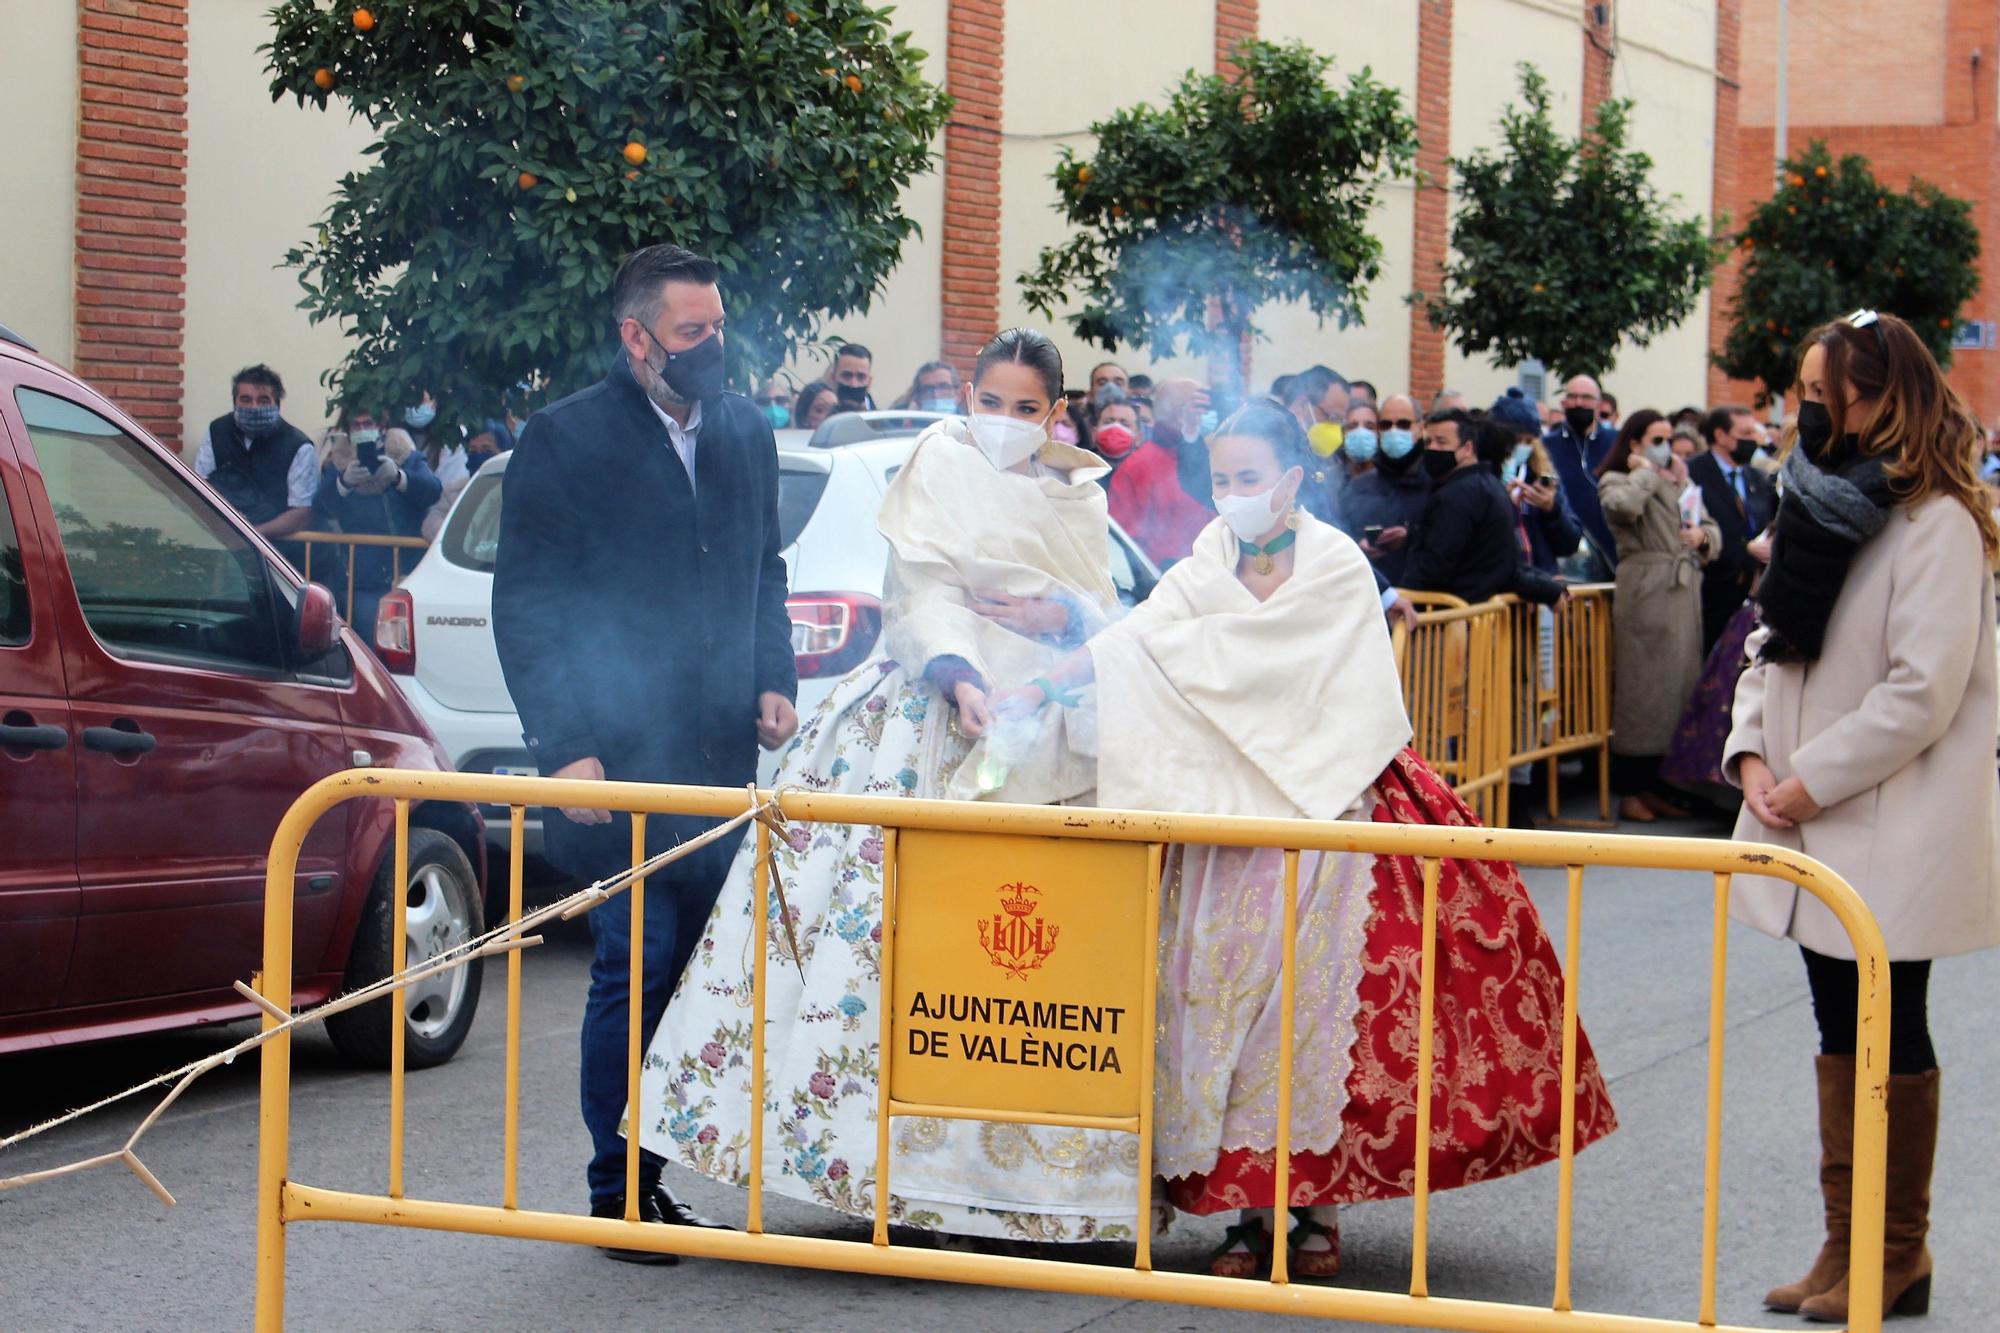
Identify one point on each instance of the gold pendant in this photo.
(1263, 563)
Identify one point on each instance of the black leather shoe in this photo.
(649, 1211)
(675, 1213)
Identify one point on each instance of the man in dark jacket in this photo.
(375, 483)
(1739, 497)
(1381, 507)
(262, 464)
(1576, 447)
(1466, 544)
(639, 612)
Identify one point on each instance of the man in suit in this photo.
(1576, 446)
(1740, 498)
(639, 612)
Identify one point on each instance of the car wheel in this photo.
(444, 910)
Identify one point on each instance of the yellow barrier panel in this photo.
(1115, 858)
(1458, 687)
(1560, 668)
(353, 540)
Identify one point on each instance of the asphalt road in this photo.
(99, 1251)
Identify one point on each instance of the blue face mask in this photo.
(1360, 445)
(1397, 443)
(778, 415)
(946, 404)
(1206, 428)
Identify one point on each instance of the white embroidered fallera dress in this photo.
(954, 525)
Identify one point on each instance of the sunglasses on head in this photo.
(1869, 319)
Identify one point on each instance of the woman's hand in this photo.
(975, 711)
(1760, 548)
(1031, 617)
(1693, 538)
(1393, 539)
(1791, 801)
(1759, 783)
(1676, 471)
(1540, 496)
(1636, 461)
(1021, 701)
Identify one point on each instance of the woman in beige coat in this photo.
(1864, 736)
(1656, 609)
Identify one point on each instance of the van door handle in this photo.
(117, 740)
(33, 737)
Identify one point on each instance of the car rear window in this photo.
(799, 491)
(471, 539)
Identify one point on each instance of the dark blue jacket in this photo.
(638, 619)
(1393, 500)
(393, 513)
(1551, 535)
(1575, 461)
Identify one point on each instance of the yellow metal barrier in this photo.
(1457, 685)
(1561, 676)
(1054, 833)
(351, 540)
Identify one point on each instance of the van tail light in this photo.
(832, 632)
(396, 632)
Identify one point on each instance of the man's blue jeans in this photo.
(678, 902)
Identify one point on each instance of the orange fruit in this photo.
(322, 79)
(1944, 323)
(1083, 175)
(527, 180)
(631, 175)
(635, 153)
(1795, 179)
(363, 20)
(1820, 172)
(791, 16)
(853, 82)
(515, 83)
(1117, 212)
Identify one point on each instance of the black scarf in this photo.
(1831, 506)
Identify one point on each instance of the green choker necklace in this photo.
(1260, 556)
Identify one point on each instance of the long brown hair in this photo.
(1629, 435)
(1911, 412)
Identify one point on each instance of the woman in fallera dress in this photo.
(998, 564)
(1259, 680)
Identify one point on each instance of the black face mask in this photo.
(1815, 428)
(1582, 421)
(1440, 463)
(853, 397)
(1745, 450)
(694, 375)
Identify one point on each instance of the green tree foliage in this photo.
(1834, 239)
(1245, 190)
(1562, 248)
(524, 146)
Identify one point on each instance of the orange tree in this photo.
(1833, 239)
(523, 146)
(1239, 191)
(1562, 247)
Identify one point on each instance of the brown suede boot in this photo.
(1836, 1182)
(1906, 1260)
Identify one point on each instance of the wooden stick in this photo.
(243, 989)
(131, 1159)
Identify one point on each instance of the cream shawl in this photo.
(1212, 702)
(956, 525)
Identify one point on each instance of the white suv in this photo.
(435, 632)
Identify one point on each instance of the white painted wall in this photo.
(39, 98)
(259, 178)
(1381, 34)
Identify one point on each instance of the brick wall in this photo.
(1597, 56)
(1429, 230)
(1728, 102)
(1235, 21)
(131, 215)
(970, 291)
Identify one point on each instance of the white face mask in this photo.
(1660, 455)
(1006, 441)
(1249, 516)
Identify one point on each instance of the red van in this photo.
(168, 687)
